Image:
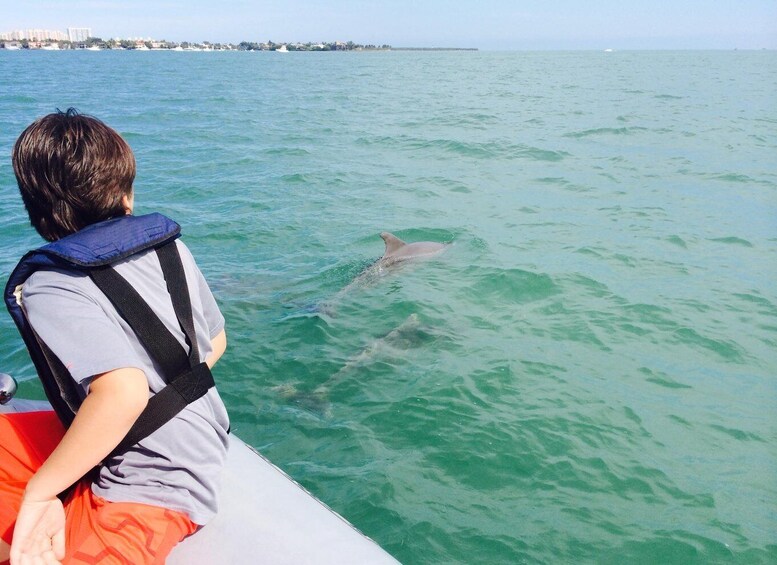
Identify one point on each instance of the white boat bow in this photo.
(264, 517)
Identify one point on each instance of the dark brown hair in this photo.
(72, 171)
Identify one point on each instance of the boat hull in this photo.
(264, 517)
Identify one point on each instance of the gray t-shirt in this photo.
(179, 465)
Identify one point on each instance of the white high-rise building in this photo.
(76, 34)
(43, 35)
(33, 35)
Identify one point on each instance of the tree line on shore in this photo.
(130, 44)
(334, 46)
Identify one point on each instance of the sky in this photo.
(485, 24)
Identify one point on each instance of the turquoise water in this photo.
(591, 378)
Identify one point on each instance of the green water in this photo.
(591, 378)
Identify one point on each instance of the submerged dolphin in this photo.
(410, 334)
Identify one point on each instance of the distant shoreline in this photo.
(97, 44)
(10, 46)
(434, 49)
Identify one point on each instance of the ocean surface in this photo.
(588, 374)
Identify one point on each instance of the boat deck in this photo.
(265, 517)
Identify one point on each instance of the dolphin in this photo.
(396, 253)
(410, 334)
(397, 250)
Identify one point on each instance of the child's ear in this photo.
(128, 201)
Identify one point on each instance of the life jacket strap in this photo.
(160, 344)
(172, 269)
(62, 393)
(164, 405)
(187, 378)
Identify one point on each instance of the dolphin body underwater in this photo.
(393, 346)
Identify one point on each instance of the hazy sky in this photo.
(487, 24)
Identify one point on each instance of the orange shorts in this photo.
(96, 531)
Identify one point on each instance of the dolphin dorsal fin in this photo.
(392, 242)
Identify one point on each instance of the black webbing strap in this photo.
(172, 269)
(62, 393)
(187, 379)
(151, 331)
(164, 405)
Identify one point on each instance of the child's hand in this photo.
(39, 534)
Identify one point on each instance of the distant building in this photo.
(76, 34)
(33, 35)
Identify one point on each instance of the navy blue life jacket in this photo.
(92, 251)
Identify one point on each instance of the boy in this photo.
(136, 483)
